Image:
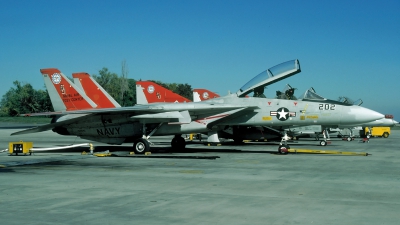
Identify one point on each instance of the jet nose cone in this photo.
(358, 115)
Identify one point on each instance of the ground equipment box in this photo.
(377, 132)
(20, 148)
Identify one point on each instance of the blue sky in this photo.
(345, 48)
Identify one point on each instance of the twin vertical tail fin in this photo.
(203, 94)
(94, 91)
(64, 94)
(150, 92)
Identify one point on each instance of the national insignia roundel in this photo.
(56, 78)
(150, 89)
(205, 95)
(282, 114)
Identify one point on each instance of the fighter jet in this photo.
(137, 123)
(258, 132)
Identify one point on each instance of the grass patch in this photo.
(26, 120)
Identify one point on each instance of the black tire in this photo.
(178, 143)
(140, 146)
(283, 149)
(385, 135)
(322, 143)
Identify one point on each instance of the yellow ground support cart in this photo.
(376, 132)
(20, 148)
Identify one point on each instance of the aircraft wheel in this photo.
(385, 135)
(283, 149)
(141, 146)
(178, 143)
(322, 143)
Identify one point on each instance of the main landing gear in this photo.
(178, 143)
(142, 145)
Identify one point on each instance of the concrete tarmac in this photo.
(242, 184)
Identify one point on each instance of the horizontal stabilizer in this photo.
(50, 126)
(41, 114)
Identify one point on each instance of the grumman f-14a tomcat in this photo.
(137, 123)
(243, 132)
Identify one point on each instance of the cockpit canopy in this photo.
(270, 76)
(310, 94)
(348, 100)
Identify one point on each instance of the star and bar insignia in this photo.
(282, 114)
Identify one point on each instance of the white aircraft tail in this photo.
(64, 94)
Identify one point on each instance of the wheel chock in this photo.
(102, 154)
(213, 144)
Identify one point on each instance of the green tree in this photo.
(185, 90)
(122, 89)
(124, 84)
(110, 82)
(130, 94)
(22, 99)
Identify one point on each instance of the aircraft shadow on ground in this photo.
(6, 170)
(199, 147)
